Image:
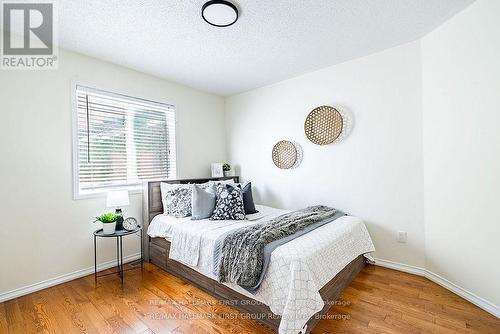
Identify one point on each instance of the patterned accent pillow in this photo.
(165, 189)
(178, 202)
(229, 203)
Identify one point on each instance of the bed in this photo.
(305, 276)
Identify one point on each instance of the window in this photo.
(121, 141)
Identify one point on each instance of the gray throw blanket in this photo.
(242, 256)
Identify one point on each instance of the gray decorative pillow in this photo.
(203, 201)
(229, 204)
(178, 202)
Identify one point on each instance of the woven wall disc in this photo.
(323, 125)
(284, 154)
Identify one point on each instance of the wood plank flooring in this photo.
(379, 300)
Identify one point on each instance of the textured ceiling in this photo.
(273, 39)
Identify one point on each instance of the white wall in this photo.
(461, 108)
(43, 232)
(376, 173)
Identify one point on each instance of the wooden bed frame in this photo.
(157, 252)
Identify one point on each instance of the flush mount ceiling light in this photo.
(219, 13)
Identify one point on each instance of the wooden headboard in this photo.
(153, 205)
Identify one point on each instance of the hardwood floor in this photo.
(379, 300)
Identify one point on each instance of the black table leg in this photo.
(121, 259)
(95, 260)
(117, 257)
(142, 256)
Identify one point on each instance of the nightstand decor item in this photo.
(285, 154)
(108, 221)
(323, 125)
(130, 224)
(118, 199)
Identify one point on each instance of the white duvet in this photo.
(297, 269)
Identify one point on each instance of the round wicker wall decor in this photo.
(323, 125)
(284, 154)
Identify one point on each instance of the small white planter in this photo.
(108, 228)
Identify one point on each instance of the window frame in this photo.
(102, 192)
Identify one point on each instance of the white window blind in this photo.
(122, 140)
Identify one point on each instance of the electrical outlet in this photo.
(402, 236)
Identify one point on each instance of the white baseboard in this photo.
(63, 278)
(400, 266)
(467, 295)
(474, 299)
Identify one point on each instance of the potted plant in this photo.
(226, 168)
(108, 221)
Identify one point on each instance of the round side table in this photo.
(119, 234)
